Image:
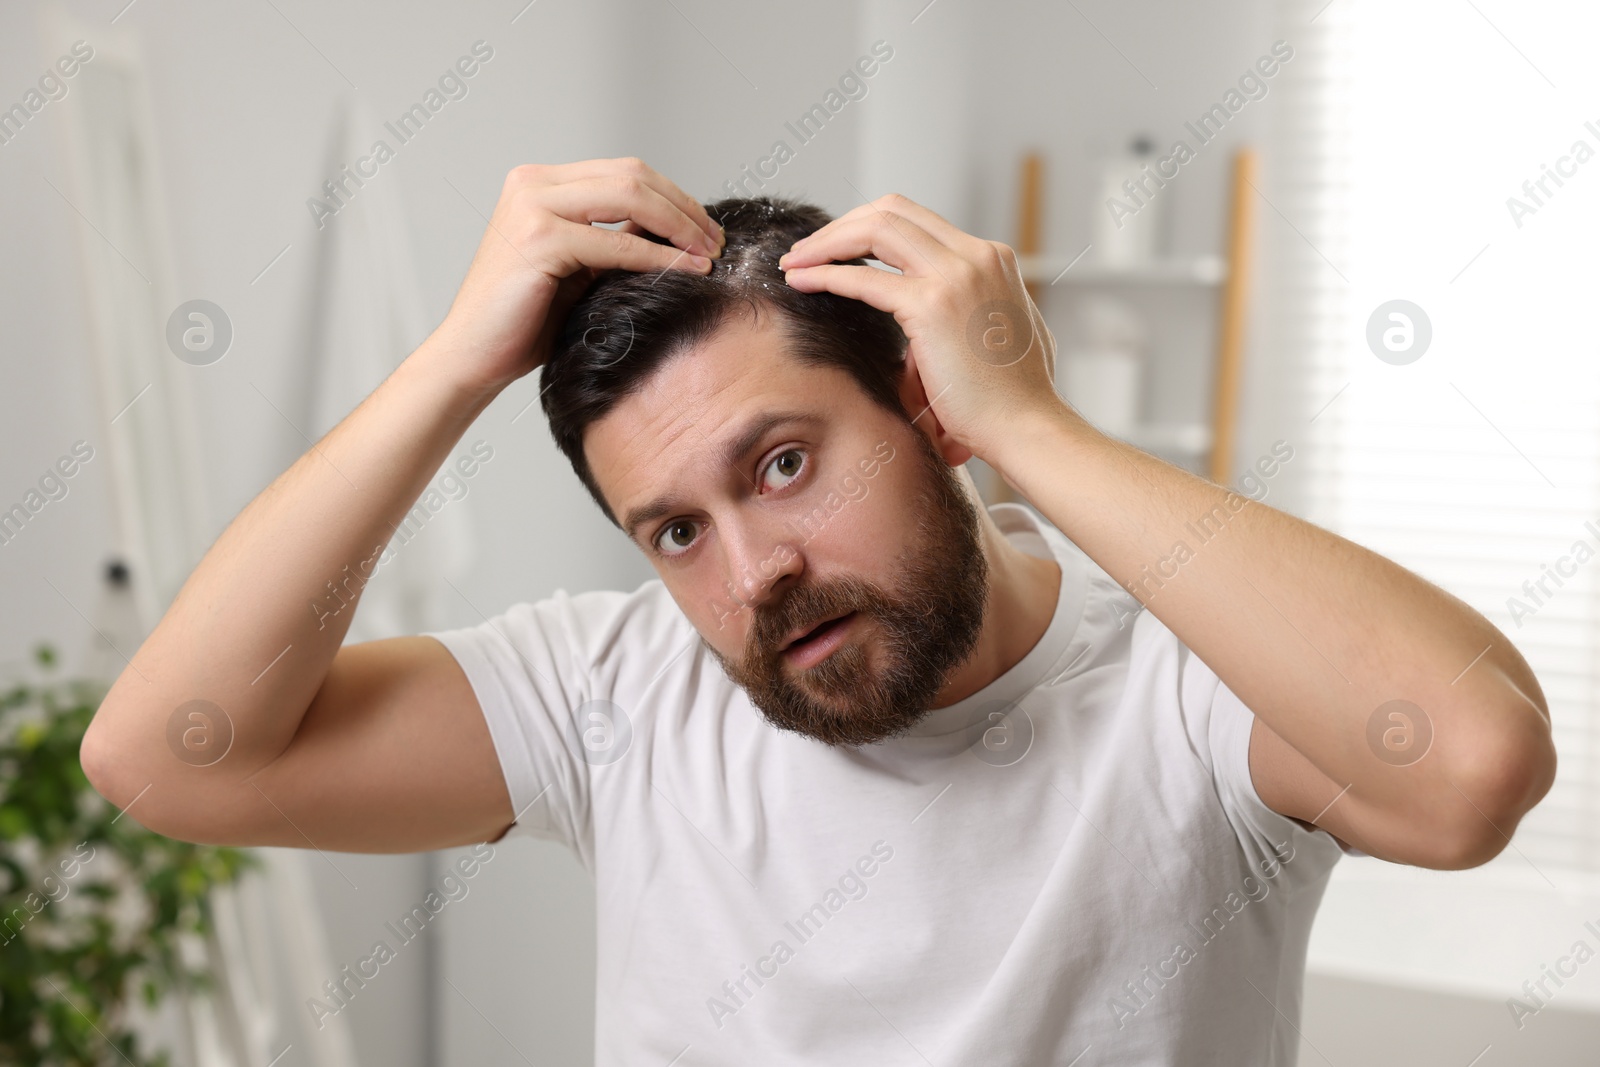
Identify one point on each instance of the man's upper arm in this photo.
(1290, 784)
(393, 755)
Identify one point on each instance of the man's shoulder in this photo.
(597, 618)
(608, 642)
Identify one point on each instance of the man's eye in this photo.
(676, 537)
(785, 467)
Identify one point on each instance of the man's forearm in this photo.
(257, 624)
(1311, 631)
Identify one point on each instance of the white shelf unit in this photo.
(1202, 440)
(1045, 271)
(1187, 443)
(1188, 440)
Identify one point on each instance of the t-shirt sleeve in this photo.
(1231, 723)
(531, 670)
(1219, 724)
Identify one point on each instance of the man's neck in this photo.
(1023, 591)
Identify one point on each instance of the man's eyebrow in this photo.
(733, 453)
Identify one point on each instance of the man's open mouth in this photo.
(817, 631)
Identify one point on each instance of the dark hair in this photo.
(628, 324)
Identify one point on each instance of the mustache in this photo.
(804, 607)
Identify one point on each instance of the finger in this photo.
(881, 289)
(629, 226)
(603, 249)
(936, 225)
(891, 239)
(619, 198)
(630, 166)
(910, 374)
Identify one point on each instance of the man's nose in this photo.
(761, 555)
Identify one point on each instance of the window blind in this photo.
(1441, 154)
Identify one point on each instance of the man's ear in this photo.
(915, 400)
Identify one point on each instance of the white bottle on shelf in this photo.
(1130, 209)
(1100, 372)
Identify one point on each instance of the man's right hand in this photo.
(541, 251)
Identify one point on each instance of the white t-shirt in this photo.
(1072, 862)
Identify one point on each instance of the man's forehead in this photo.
(702, 410)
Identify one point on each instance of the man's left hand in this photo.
(977, 343)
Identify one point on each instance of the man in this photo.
(870, 774)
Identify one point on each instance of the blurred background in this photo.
(1335, 253)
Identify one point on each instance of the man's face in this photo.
(772, 497)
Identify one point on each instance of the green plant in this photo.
(92, 905)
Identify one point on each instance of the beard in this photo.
(926, 626)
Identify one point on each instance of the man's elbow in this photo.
(97, 758)
(1498, 784)
(118, 773)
